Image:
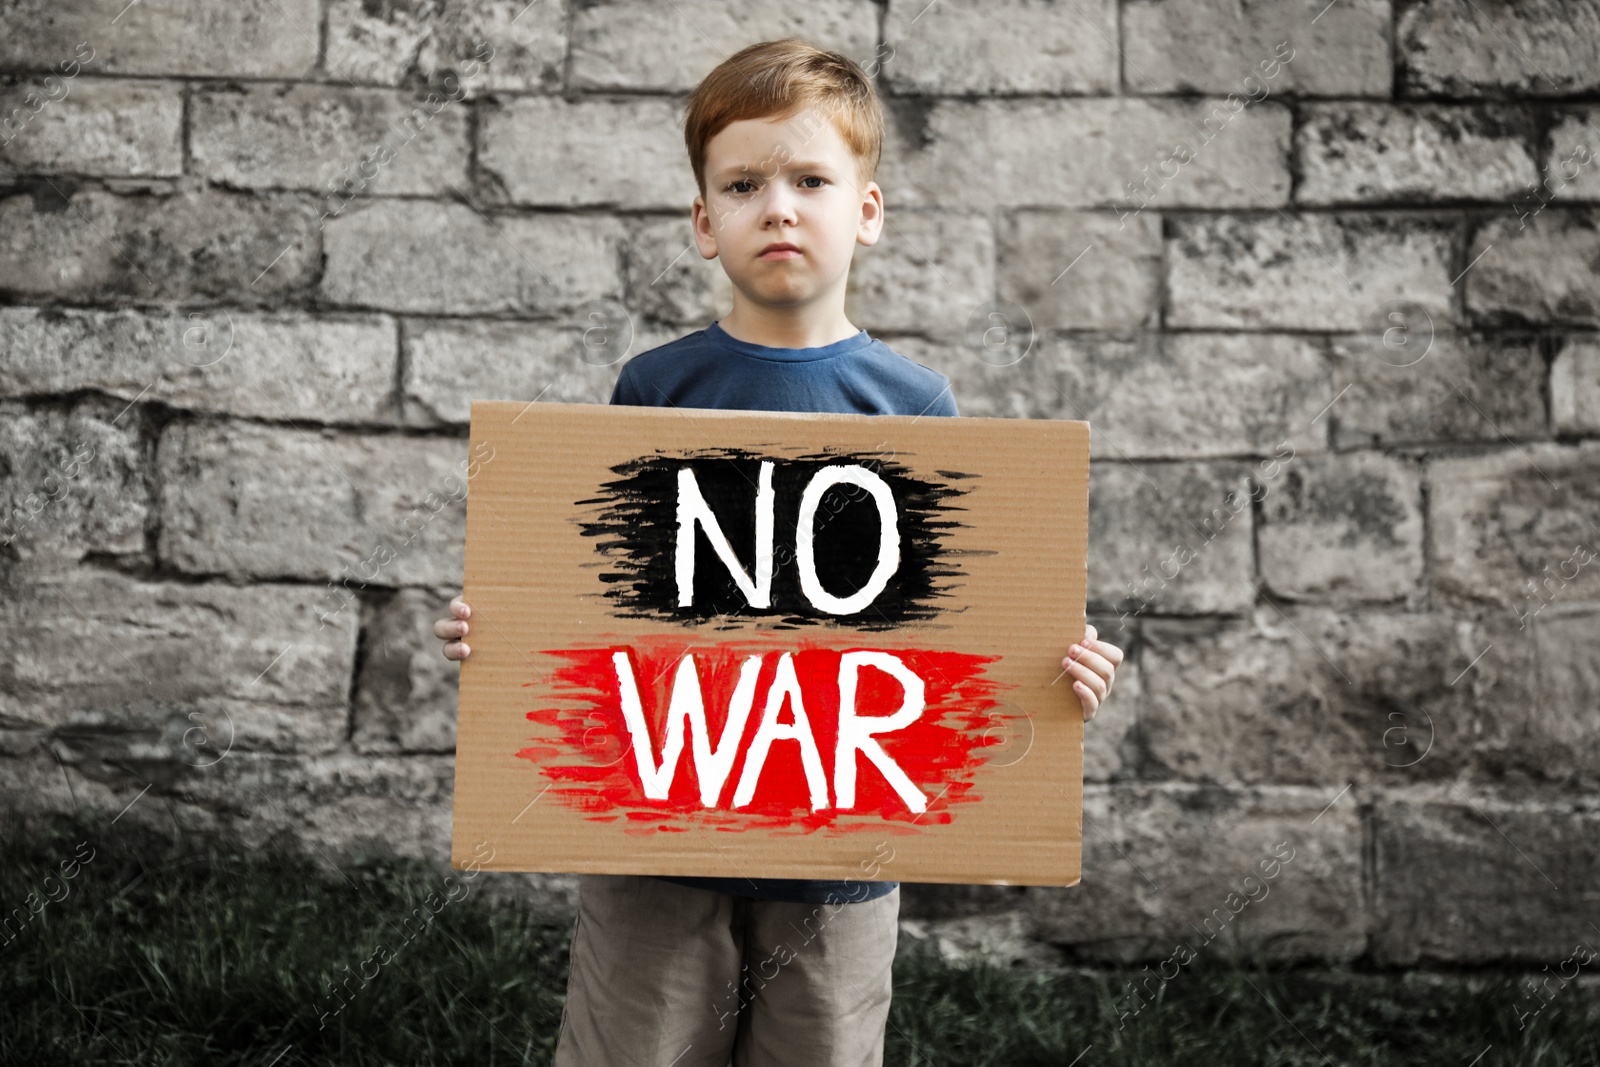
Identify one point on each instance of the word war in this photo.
(659, 729)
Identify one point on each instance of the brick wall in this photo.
(1325, 277)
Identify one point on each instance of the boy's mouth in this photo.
(780, 250)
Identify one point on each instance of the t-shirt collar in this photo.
(717, 335)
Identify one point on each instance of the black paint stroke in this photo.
(636, 532)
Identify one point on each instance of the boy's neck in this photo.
(787, 327)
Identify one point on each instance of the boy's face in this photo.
(792, 181)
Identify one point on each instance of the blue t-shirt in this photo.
(859, 375)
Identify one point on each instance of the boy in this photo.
(784, 139)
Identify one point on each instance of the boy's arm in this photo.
(623, 392)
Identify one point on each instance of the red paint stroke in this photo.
(589, 758)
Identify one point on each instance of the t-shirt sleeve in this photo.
(623, 392)
(945, 402)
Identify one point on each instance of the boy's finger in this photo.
(1089, 701)
(1093, 660)
(1109, 651)
(1086, 679)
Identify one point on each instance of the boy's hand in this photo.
(1092, 666)
(454, 628)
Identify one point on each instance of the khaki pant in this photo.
(665, 975)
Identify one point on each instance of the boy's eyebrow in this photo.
(794, 164)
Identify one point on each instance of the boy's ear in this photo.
(700, 219)
(871, 226)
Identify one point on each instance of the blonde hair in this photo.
(778, 79)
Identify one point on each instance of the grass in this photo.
(162, 952)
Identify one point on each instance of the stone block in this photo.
(171, 677)
(1495, 668)
(1538, 271)
(450, 362)
(1014, 46)
(346, 509)
(201, 245)
(276, 366)
(1109, 152)
(1498, 47)
(72, 480)
(1353, 153)
(339, 141)
(543, 151)
(1181, 396)
(1346, 526)
(639, 45)
(181, 38)
(1204, 395)
(1567, 730)
(405, 697)
(1304, 696)
(103, 127)
(1575, 388)
(420, 257)
(1213, 46)
(1572, 170)
(1502, 523)
(1464, 876)
(1079, 270)
(1405, 384)
(489, 45)
(1310, 272)
(1169, 539)
(1166, 866)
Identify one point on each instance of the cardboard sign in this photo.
(766, 645)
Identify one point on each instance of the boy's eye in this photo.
(733, 187)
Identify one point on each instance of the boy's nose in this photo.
(777, 204)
